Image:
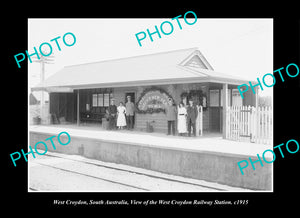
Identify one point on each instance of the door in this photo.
(214, 119)
(132, 95)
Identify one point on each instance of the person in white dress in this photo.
(121, 120)
(182, 128)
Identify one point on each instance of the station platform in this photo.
(207, 157)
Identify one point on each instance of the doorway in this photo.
(215, 119)
(131, 94)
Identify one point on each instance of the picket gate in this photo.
(247, 123)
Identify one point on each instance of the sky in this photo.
(238, 47)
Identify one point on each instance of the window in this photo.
(100, 100)
(204, 101)
(94, 100)
(236, 98)
(106, 99)
(214, 98)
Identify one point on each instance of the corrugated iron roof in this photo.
(149, 69)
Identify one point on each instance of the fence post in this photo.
(241, 123)
(253, 124)
(271, 125)
(228, 123)
(258, 125)
(256, 122)
(234, 123)
(238, 111)
(247, 120)
(237, 123)
(201, 120)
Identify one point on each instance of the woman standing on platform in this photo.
(121, 121)
(182, 129)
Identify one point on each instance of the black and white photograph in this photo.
(171, 115)
(181, 107)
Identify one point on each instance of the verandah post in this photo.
(78, 113)
(225, 105)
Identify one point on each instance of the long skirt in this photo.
(182, 124)
(121, 121)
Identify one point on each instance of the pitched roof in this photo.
(177, 66)
(32, 99)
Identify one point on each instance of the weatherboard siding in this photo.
(160, 122)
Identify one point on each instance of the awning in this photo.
(173, 67)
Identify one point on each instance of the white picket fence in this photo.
(199, 121)
(246, 123)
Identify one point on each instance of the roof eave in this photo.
(70, 88)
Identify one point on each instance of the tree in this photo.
(264, 101)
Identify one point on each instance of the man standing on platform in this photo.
(192, 114)
(129, 113)
(171, 112)
(112, 114)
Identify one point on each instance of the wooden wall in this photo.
(160, 122)
(64, 104)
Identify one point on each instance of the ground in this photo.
(60, 172)
(93, 176)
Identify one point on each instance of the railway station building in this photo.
(82, 93)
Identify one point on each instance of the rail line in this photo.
(130, 171)
(95, 177)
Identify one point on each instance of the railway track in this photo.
(120, 169)
(95, 177)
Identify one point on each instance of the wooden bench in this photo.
(91, 117)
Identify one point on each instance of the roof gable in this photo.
(197, 60)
